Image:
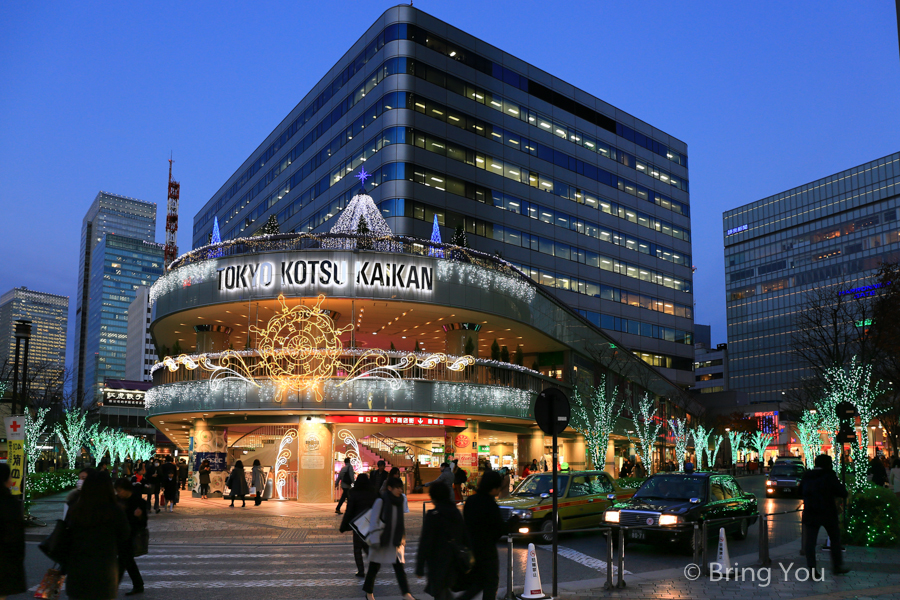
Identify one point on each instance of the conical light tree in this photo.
(714, 452)
(72, 433)
(35, 429)
(736, 441)
(680, 432)
(647, 428)
(595, 418)
(435, 238)
(701, 444)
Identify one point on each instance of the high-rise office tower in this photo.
(828, 235)
(49, 316)
(583, 197)
(140, 352)
(127, 218)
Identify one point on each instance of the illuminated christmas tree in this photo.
(436, 239)
(215, 238)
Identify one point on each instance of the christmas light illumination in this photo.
(597, 421)
(72, 433)
(35, 429)
(647, 429)
(760, 441)
(716, 444)
(187, 275)
(348, 439)
(736, 440)
(284, 454)
(215, 240)
(679, 431)
(701, 445)
(810, 438)
(435, 239)
(513, 284)
(362, 207)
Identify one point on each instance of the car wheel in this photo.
(547, 530)
(742, 530)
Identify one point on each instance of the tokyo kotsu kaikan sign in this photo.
(291, 274)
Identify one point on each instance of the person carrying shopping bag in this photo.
(361, 499)
(258, 478)
(389, 545)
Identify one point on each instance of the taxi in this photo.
(582, 498)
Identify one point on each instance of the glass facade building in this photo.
(49, 316)
(589, 201)
(832, 232)
(119, 266)
(109, 213)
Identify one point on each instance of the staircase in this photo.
(371, 458)
(383, 447)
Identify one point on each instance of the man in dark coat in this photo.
(360, 499)
(153, 482)
(12, 538)
(378, 476)
(820, 489)
(182, 473)
(441, 526)
(135, 507)
(878, 472)
(485, 527)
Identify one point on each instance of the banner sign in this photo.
(216, 460)
(15, 451)
(391, 420)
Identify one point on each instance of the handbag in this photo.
(376, 525)
(252, 490)
(50, 585)
(140, 543)
(56, 545)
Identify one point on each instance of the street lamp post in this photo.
(23, 332)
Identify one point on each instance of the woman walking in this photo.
(12, 538)
(361, 499)
(204, 479)
(98, 534)
(258, 477)
(443, 525)
(392, 544)
(237, 483)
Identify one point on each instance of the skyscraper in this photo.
(114, 214)
(583, 197)
(49, 315)
(827, 236)
(140, 351)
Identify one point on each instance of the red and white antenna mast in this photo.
(171, 251)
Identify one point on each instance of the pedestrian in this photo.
(820, 488)
(12, 538)
(97, 534)
(169, 476)
(345, 481)
(771, 462)
(625, 471)
(877, 472)
(72, 496)
(379, 476)
(443, 531)
(135, 507)
(182, 473)
(445, 478)
(485, 527)
(395, 472)
(204, 479)
(153, 482)
(258, 479)
(460, 477)
(526, 471)
(391, 548)
(237, 483)
(360, 499)
(505, 485)
(894, 476)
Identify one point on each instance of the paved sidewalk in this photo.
(211, 521)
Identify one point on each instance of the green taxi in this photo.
(583, 497)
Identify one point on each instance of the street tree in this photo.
(594, 417)
(72, 431)
(647, 426)
(679, 430)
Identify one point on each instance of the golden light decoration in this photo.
(353, 453)
(284, 454)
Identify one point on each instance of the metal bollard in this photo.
(509, 570)
(764, 559)
(621, 578)
(609, 560)
(696, 556)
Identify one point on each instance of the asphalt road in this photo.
(210, 571)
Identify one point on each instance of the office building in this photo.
(831, 234)
(109, 213)
(710, 369)
(140, 353)
(119, 266)
(589, 201)
(49, 316)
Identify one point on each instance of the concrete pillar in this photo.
(211, 443)
(314, 450)
(212, 338)
(610, 466)
(575, 454)
(530, 446)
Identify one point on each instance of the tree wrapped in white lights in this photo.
(597, 421)
(854, 384)
(760, 441)
(701, 444)
(99, 442)
(736, 441)
(35, 429)
(808, 434)
(680, 432)
(72, 433)
(647, 428)
(120, 446)
(714, 452)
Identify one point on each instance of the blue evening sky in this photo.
(94, 96)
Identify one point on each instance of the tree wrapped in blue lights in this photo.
(436, 239)
(215, 238)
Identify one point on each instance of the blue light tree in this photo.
(215, 238)
(435, 238)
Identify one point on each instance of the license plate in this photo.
(636, 535)
(785, 489)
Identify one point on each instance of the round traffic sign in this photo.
(551, 411)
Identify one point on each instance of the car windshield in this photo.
(787, 471)
(668, 487)
(540, 484)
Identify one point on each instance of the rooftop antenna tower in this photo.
(171, 250)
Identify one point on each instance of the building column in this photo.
(211, 443)
(611, 458)
(575, 454)
(316, 456)
(530, 446)
(466, 445)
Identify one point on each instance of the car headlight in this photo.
(770, 482)
(670, 520)
(611, 516)
(521, 513)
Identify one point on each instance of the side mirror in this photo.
(695, 500)
(611, 497)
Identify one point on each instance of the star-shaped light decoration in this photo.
(362, 176)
